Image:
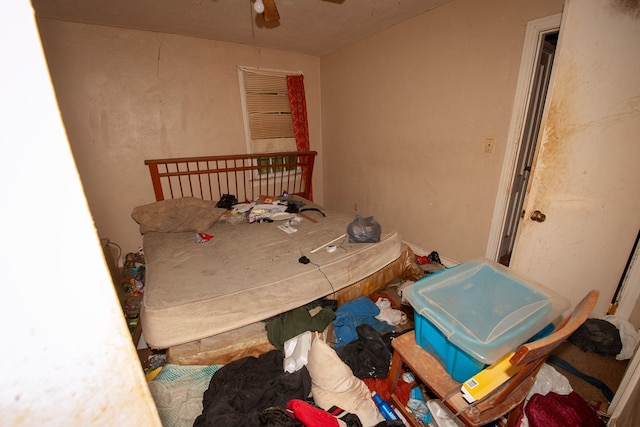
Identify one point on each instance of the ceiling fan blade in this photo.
(270, 11)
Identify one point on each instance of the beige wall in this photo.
(127, 96)
(635, 315)
(406, 113)
(400, 129)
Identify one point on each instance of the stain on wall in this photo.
(627, 7)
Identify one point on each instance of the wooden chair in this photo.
(509, 398)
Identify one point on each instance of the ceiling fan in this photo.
(268, 10)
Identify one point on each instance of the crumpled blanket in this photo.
(177, 392)
(241, 390)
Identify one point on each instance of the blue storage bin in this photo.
(471, 315)
(460, 365)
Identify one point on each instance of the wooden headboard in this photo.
(246, 176)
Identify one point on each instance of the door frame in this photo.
(629, 288)
(622, 408)
(536, 30)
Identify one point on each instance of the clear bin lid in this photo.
(485, 308)
(479, 305)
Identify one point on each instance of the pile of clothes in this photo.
(333, 388)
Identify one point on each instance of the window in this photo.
(275, 119)
(267, 112)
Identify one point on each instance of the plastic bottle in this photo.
(385, 409)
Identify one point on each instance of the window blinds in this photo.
(267, 103)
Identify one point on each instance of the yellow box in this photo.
(490, 378)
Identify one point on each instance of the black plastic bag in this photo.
(227, 201)
(369, 356)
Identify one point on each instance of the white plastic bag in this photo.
(548, 380)
(628, 336)
(296, 352)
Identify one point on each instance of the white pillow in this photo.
(333, 384)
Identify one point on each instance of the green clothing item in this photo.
(294, 322)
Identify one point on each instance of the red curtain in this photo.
(298, 104)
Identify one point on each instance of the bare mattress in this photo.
(248, 273)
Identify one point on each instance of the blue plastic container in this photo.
(471, 315)
(460, 365)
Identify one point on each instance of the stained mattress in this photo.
(248, 273)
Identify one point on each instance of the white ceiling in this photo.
(313, 27)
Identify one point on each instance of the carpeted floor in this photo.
(607, 369)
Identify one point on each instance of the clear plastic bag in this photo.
(364, 230)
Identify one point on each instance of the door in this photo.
(586, 179)
(541, 76)
(531, 93)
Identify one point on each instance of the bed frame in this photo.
(246, 176)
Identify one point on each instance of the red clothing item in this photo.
(311, 416)
(556, 410)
